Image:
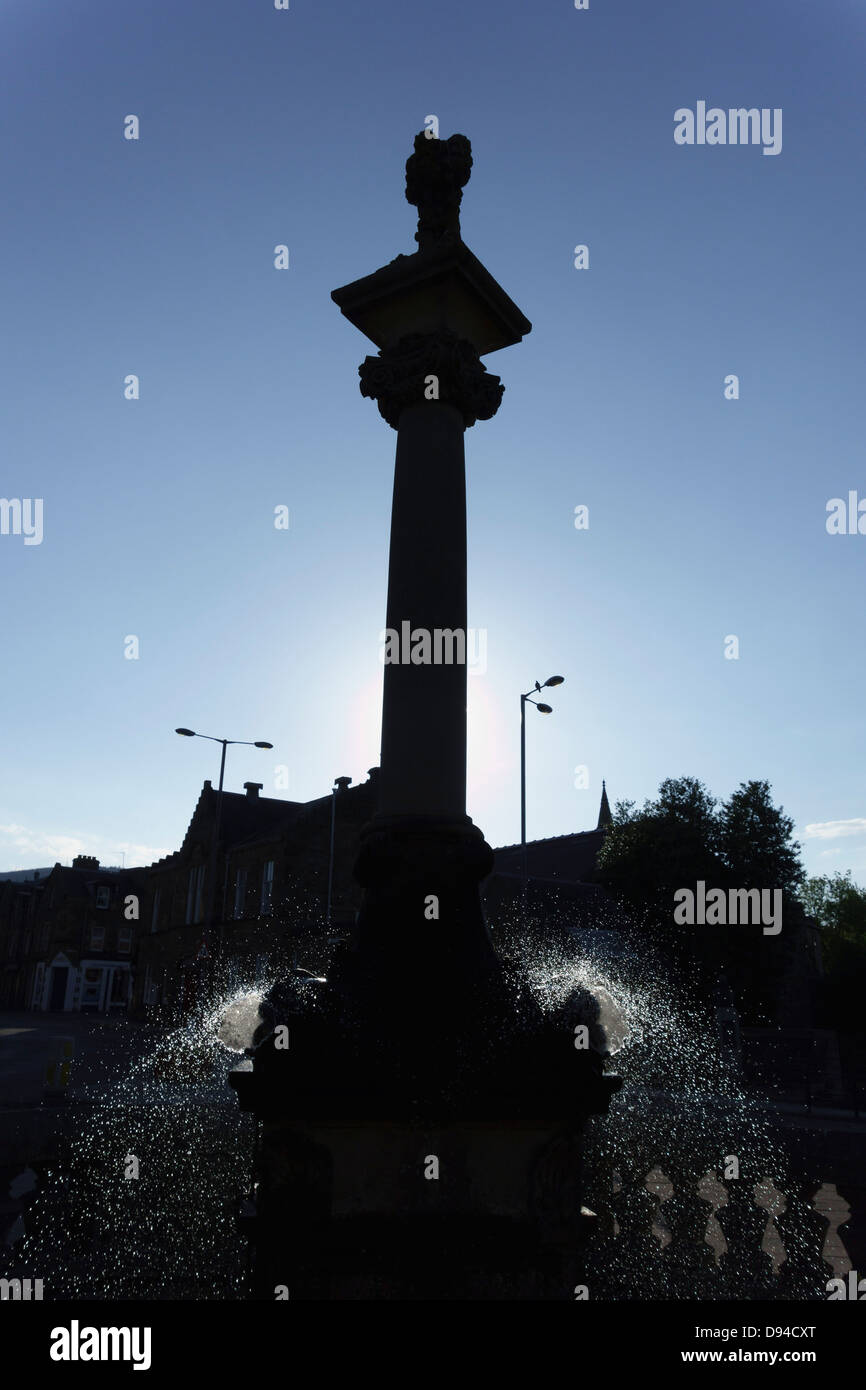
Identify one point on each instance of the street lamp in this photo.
(542, 709)
(211, 873)
(339, 785)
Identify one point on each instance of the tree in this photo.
(685, 836)
(670, 843)
(755, 841)
(686, 801)
(839, 907)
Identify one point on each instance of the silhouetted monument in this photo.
(419, 1047)
(431, 316)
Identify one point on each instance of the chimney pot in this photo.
(253, 789)
(85, 861)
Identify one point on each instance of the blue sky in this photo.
(706, 516)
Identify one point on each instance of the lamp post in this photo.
(211, 873)
(542, 709)
(339, 785)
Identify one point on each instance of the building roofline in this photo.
(569, 835)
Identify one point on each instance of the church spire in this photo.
(604, 817)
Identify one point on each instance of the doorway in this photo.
(59, 978)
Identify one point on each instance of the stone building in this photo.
(271, 889)
(100, 939)
(68, 937)
(562, 891)
(560, 858)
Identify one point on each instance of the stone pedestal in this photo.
(387, 1211)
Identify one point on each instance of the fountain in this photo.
(421, 1120)
(422, 1103)
(671, 1219)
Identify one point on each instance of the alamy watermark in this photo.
(736, 126)
(439, 646)
(738, 907)
(854, 1289)
(21, 1290)
(77, 1343)
(22, 516)
(846, 520)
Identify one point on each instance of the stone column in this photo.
(429, 387)
(432, 315)
(423, 759)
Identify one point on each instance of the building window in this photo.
(154, 911)
(97, 938)
(124, 940)
(240, 892)
(195, 895)
(91, 989)
(103, 895)
(45, 937)
(267, 887)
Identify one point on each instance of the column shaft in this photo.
(423, 757)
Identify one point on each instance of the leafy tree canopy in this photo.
(685, 834)
(838, 906)
(756, 840)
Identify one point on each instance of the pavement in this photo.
(33, 1121)
(36, 1120)
(30, 1041)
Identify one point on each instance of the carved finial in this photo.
(435, 177)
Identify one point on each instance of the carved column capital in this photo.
(401, 376)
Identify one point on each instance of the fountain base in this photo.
(418, 1142)
(388, 1211)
